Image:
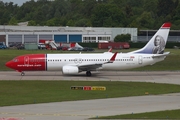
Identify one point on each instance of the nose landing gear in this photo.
(22, 73)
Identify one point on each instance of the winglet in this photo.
(110, 50)
(112, 58)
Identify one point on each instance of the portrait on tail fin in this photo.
(159, 45)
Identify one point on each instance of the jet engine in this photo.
(70, 70)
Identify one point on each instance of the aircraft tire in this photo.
(22, 73)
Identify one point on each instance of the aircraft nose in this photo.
(8, 64)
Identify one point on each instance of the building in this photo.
(146, 35)
(32, 34)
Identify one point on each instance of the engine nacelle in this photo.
(70, 69)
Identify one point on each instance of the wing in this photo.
(90, 67)
(95, 66)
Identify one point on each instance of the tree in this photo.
(144, 14)
(144, 21)
(165, 7)
(177, 13)
(50, 22)
(57, 14)
(31, 23)
(13, 21)
(128, 11)
(122, 38)
(70, 23)
(87, 7)
(83, 23)
(107, 15)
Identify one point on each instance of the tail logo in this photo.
(159, 45)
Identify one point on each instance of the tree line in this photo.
(142, 14)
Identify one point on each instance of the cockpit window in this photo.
(15, 60)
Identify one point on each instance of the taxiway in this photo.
(80, 110)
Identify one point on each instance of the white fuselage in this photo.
(122, 61)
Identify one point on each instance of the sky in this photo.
(19, 2)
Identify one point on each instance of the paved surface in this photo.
(80, 110)
(158, 77)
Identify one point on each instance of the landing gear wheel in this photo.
(88, 73)
(22, 73)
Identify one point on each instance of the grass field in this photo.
(171, 63)
(168, 114)
(30, 92)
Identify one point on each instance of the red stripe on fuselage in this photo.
(30, 62)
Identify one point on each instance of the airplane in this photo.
(70, 64)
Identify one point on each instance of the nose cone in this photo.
(9, 64)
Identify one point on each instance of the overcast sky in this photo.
(19, 2)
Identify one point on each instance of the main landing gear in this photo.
(22, 73)
(88, 73)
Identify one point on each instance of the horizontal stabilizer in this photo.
(161, 55)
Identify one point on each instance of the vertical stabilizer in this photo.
(157, 43)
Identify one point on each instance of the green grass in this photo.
(171, 63)
(30, 92)
(168, 114)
